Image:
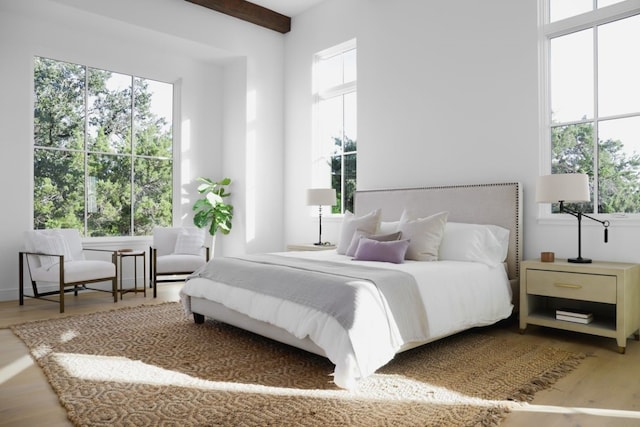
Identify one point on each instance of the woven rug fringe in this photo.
(548, 378)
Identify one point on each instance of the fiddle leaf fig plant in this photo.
(211, 210)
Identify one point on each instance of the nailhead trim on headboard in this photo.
(506, 203)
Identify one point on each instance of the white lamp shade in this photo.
(566, 187)
(321, 197)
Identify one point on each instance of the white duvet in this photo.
(456, 296)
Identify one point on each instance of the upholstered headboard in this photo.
(498, 204)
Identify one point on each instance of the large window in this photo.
(335, 151)
(103, 150)
(592, 69)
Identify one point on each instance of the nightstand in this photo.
(310, 247)
(609, 290)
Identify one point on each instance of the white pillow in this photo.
(485, 243)
(367, 223)
(189, 241)
(424, 234)
(388, 227)
(52, 243)
(355, 240)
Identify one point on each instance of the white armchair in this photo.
(57, 256)
(176, 251)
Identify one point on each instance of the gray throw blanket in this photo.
(330, 287)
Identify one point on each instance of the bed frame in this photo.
(498, 204)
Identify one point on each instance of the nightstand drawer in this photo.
(585, 287)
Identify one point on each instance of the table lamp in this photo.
(321, 197)
(568, 187)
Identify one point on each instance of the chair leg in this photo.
(62, 297)
(61, 282)
(114, 289)
(21, 278)
(154, 271)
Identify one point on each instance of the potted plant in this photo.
(211, 211)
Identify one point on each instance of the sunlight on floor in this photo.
(14, 368)
(578, 411)
(376, 387)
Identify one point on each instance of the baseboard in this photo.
(9, 295)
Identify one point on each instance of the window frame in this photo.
(318, 179)
(88, 151)
(547, 32)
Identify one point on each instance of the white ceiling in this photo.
(287, 7)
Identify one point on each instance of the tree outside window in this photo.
(103, 150)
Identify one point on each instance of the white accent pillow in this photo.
(367, 223)
(189, 241)
(485, 243)
(424, 234)
(52, 243)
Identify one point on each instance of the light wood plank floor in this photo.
(603, 391)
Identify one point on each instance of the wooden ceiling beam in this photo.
(249, 12)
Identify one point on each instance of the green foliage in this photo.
(343, 173)
(126, 193)
(618, 173)
(211, 210)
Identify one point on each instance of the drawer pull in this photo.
(567, 285)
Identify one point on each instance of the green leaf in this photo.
(211, 210)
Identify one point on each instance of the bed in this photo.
(393, 306)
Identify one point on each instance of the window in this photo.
(593, 98)
(336, 135)
(103, 150)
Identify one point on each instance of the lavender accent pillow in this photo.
(373, 250)
(359, 234)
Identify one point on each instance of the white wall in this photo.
(216, 62)
(447, 94)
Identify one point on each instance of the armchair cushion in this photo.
(75, 271)
(165, 239)
(52, 243)
(178, 263)
(189, 241)
(61, 241)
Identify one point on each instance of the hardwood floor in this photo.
(603, 391)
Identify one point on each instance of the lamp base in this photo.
(319, 244)
(580, 260)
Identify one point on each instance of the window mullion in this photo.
(131, 145)
(342, 89)
(595, 17)
(343, 187)
(86, 152)
(596, 120)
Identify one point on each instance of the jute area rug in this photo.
(152, 365)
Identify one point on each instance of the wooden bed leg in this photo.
(522, 331)
(198, 318)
